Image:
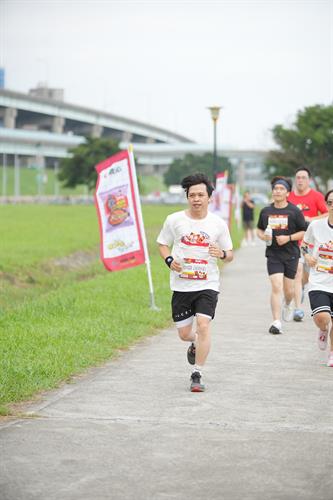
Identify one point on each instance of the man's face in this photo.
(302, 180)
(329, 203)
(198, 198)
(279, 193)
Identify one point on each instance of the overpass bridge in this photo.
(38, 130)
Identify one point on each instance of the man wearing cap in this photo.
(281, 225)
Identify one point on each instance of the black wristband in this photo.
(168, 260)
(224, 255)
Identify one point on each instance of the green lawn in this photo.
(57, 319)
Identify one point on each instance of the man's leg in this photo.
(323, 322)
(288, 289)
(298, 286)
(204, 339)
(276, 294)
(186, 333)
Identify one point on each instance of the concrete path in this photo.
(131, 430)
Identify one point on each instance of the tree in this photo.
(80, 167)
(309, 143)
(191, 164)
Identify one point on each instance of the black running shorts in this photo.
(321, 301)
(187, 304)
(287, 267)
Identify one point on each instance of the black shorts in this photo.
(321, 301)
(187, 304)
(287, 267)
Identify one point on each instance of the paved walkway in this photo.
(131, 430)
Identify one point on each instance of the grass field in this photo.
(60, 311)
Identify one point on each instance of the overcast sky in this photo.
(164, 62)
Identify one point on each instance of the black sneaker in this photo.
(196, 385)
(191, 354)
(275, 330)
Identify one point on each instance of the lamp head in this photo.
(215, 111)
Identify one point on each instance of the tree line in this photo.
(308, 143)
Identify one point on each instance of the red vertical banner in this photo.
(222, 198)
(118, 208)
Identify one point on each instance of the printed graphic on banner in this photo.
(117, 206)
(221, 202)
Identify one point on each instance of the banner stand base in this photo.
(153, 306)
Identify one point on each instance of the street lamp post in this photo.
(214, 112)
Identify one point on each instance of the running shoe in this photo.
(287, 311)
(275, 328)
(196, 385)
(191, 354)
(322, 340)
(298, 315)
(330, 360)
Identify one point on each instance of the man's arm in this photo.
(320, 216)
(309, 259)
(282, 239)
(321, 208)
(216, 251)
(164, 253)
(262, 236)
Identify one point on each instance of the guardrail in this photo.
(47, 200)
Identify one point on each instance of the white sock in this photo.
(197, 368)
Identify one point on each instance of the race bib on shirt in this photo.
(194, 269)
(325, 260)
(278, 221)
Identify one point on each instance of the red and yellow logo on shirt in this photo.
(278, 221)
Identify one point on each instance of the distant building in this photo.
(42, 90)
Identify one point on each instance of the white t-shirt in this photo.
(190, 239)
(320, 235)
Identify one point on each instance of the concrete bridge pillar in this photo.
(127, 137)
(58, 123)
(150, 140)
(96, 131)
(10, 117)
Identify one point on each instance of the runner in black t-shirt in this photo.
(282, 252)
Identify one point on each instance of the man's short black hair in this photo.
(194, 179)
(305, 169)
(284, 179)
(328, 193)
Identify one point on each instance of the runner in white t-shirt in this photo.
(191, 242)
(317, 249)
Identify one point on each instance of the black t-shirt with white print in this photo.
(286, 221)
